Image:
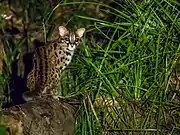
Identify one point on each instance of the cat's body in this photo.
(49, 61)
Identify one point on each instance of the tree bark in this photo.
(42, 116)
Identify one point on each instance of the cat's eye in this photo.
(77, 39)
(66, 38)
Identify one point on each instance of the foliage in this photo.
(124, 69)
(3, 130)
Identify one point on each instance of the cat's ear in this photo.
(62, 31)
(80, 32)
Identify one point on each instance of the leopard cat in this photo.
(50, 60)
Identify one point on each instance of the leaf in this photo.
(3, 130)
(1, 57)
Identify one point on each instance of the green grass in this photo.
(3, 130)
(124, 66)
(131, 68)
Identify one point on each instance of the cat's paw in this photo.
(28, 96)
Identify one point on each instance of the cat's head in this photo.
(71, 39)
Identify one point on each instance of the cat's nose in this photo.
(72, 38)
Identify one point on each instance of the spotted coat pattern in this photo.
(49, 61)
